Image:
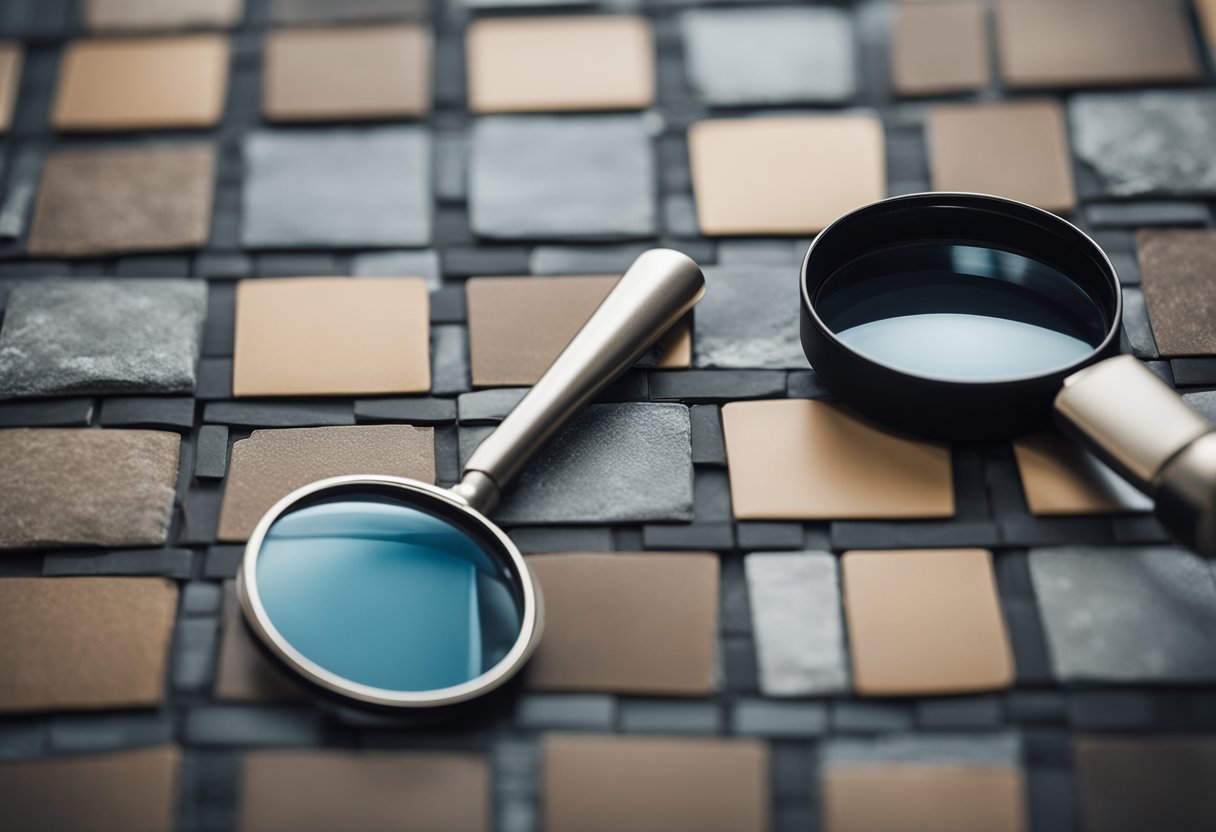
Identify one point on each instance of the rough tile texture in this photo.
(68, 337)
(748, 319)
(1177, 269)
(939, 48)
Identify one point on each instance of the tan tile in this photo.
(784, 175)
(795, 459)
(142, 83)
(627, 623)
(242, 673)
(1207, 18)
(84, 642)
(81, 487)
(940, 48)
(661, 783)
(1177, 268)
(1014, 149)
(519, 325)
(119, 200)
(270, 464)
(1049, 43)
(1060, 477)
(538, 64)
(158, 15)
(918, 797)
(135, 791)
(12, 56)
(925, 622)
(345, 73)
(331, 336)
(1133, 784)
(368, 791)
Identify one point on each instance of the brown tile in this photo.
(1014, 149)
(673, 785)
(300, 791)
(1177, 268)
(331, 336)
(795, 459)
(1207, 18)
(80, 487)
(1060, 477)
(925, 622)
(1050, 43)
(519, 325)
(135, 791)
(142, 83)
(538, 64)
(780, 175)
(627, 623)
(84, 642)
(242, 673)
(1134, 784)
(940, 48)
(915, 797)
(345, 73)
(12, 55)
(119, 200)
(270, 464)
(158, 15)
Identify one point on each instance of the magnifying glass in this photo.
(970, 317)
(392, 594)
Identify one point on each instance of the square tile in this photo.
(75, 643)
(748, 319)
(120, 200)
(541, 177)
(156, 15)
(12, 56)
(79, 487)
(750, 56)
(925, 622)
(1061, 477)
(1177, 269)
(347, 73)
(337, 188)
(331, 336)
(784, 175)
(519, 325)
(829, 465)
(1127, 784)
(1125, 42)
(142, 83)
(940, 48)
(548, 64)
(1016, 149)
(638, 623)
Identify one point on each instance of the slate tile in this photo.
(23, 738)
(295, 265)
(789, 720)
(763, 535)
(172, 413)
(1055, 531)
(346, 11)
(739, 665)
(449, 359)
(1156, 782)
(1051, 795)
(1204, 402)
(201, 598)
(120, 16)
(261, 414)
(1194, 372)
(228, 265)
(870, 717)
(448, 305)
(153, 266)
(417, 263)
(489, 407)
(680, 216)
(241, 725)
(1147, 214)
(90, 733)
(715, 385)
(583, 259)
(1036, 707)
(167, 562)
(860, 534)
(666, 716)
(220, 327)
(194, 646)
(711, 496)
(200, 514)
(1136, 325)
(1110, 710)
(971, 713)
(1139, 529)
(748, 319)
(805, 384)
(760, 252)
(735, 615)
(50, 413)
(981, 749)
(792, 767)
(211, 452)
(566, 711)
(537, 540)
(516, 762)
(693, 537)
(1027, 638)
(222, 561)
(468, 260)
(414, 411)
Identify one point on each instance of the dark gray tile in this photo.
(264, 414)
(1110, 710)
(200, 514)
(152, 265)
(805, 384)
(484, 261)
(970, 713)
(1204, 402)
(538, 540)
(347, 11)
(583, 259)
(1036, 707)
(670, 716)
(220, 328)
(238, 725)
(1147, 214)
(194, 648)
(171, 563)
(211, 452)
(449, 359)
(871, 717)
(418, 263)
(926, 534)
(201, 598)
(92, 733)
(995, 748)
(739, 665)
(172, 412)
(748, 319)
(695, 537)
(1051, 795)
(516, 766)
(24, 171)
(1194, 372)
(489, 407)
(584, 712)
(763, 535)
(769, 718)
(223, 561)
(449, 305)
(415, 411)
(50, 413)
(784, 254)
(296, 264)
(23, 738)
(711, 496)
(716, 385)
(228, 265)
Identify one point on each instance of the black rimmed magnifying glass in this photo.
(970, 317)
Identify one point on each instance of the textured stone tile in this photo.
(798, 625)
(489, 407)
(449, 360)
(411, 411)
(337, 188)
(243, 725)
(665, 716)
(1204, 402)
(770, 55)
(748, 319)
(1179, 290)
(541, 177)
(1144, 214)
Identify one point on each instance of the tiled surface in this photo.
(705, 503)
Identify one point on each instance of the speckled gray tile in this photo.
(1204, 402)
(1140, 143)
(770, 56)
(335, 188)
(539, 177)
(1128, 614)
(795, 603)
(63, 337)
(943, 749)
(423, 263)
(748, 319)
(613, 463)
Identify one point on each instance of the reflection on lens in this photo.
(961, 313)
(386, 594)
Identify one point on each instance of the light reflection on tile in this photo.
(1061, 477)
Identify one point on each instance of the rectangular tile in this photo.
(1061, 477)
(12, 56)
(748, 319)
(339, 11)
(1177, 268)
(156, 15)
(940, 47)
(1128, 784)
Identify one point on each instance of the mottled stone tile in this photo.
(1204, 402)
(748, 319)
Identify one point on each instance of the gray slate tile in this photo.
(449, 359)
(593, 259)
(49, 413)
(347, 11)
(488, 407)
(566, 710)
(211, 452)
(91, 733)
(1204, 402)
(421, 263)
(996, 748)
(668, 716)
(748, 319)
(767, 718)
(169, 562)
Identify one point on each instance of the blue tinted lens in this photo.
(387, 594)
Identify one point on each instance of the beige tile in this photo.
(243, 673)
(270, 464)
(1177, 268)
(369, 791)
(1060, 477)
(1015, 149)
(12, 56)
(791, 175)
(925, 622)
(547, 64)
(1130, 784)
(940, 47)
(627, 623)
(519, 325)
(142, 83)
(74, 643)
(660, 783)
(135, 791)
(347, 73)
(331, 336)
(1207, 18)
(160, 15)
(795, 459)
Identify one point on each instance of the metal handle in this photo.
(655, 292)
(1144, 430)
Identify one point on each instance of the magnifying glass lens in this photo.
(384, 593)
